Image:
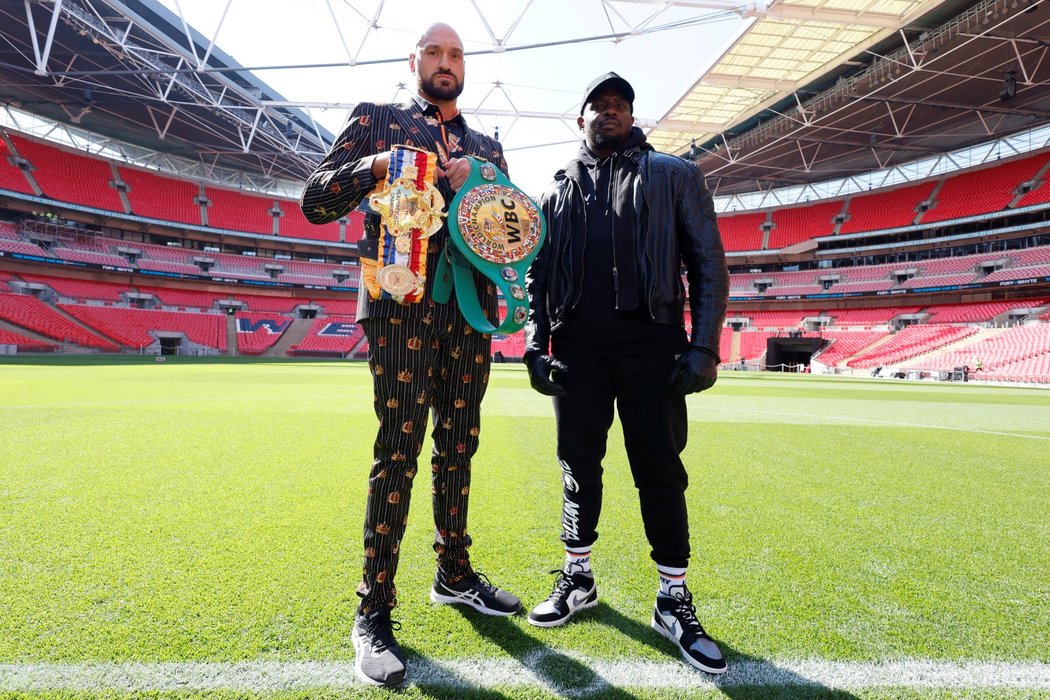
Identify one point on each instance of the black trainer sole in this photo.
(716, 670)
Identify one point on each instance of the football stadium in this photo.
(187, 422)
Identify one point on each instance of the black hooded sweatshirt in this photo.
(609, 318)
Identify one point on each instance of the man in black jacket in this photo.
(606, 328)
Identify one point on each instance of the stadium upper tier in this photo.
(83, 180)
(1006, 186)
(71, 177)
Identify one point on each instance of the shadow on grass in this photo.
(760, 679)
(560, 674)
(431, 679)
(550, 673)
(628, 627)
(749, 677)
(743, 681)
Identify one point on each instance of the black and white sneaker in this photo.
(571, 593)
(378, 659)
(475, 591)
(675, 618)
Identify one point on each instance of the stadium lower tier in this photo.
(1002, 341)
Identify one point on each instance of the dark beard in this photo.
(431, 89)
(607, 142)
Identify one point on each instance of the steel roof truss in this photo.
(877, 72)
(215, 36)
(374, 24)
(189, 38)
(807, 164)
(246, 144)
(514, 24)
(916, 57)
(803, 111)
(988, 129)
(166, 92)
(162, 131)
(881, 157)
(339, 32)
(730, 156)
(744, 8)
(61, 80)
(898, 129)
(1020, 62)
(990, 108)
(42, 57)
(485, 23)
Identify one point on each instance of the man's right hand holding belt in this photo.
(455, 170)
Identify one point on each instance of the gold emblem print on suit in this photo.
(499, 223)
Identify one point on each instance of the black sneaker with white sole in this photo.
(571, 593)
(675, 618)
(477, 592)
(378, 660)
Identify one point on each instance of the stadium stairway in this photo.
(980, 335)
(231, 336)
(87, 328)
(297, 330)
(734, 346)
(5, 326)
(844, 363)
(68, 348)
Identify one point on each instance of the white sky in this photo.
(662, 64)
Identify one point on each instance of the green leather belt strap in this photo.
(497, 229)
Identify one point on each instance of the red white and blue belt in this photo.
(410, 210)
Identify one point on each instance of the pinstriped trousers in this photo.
(432, 362)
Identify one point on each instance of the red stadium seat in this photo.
(69, 176)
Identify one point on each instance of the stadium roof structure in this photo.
(958, 75)
(801, 91)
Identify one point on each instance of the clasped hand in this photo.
(455, 170)
(695, 371)
(540, 368)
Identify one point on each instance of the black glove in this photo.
(540, 367)
(695, 371)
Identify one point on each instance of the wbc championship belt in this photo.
(497, 229)
(410, 211)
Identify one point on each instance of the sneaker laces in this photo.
(382, 635)
(482, 581)
(563, 585)
(685, 611)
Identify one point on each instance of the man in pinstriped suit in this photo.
(423, 356)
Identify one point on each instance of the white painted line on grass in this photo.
(535, 671)
(854, 420)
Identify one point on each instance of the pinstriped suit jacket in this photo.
(344, 178)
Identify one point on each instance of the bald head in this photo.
(439, 31)
(438, 66)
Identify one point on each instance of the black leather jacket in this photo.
(676, 226)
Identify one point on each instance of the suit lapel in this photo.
(469, 144)
(422, 138)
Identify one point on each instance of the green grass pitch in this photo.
(210, 511)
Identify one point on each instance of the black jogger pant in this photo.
(655, 426)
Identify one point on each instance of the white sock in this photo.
(672, 580)
(578, 561)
